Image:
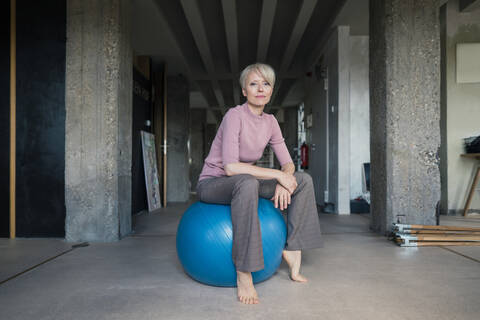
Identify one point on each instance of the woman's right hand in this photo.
(288, 181)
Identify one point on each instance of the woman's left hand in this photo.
(282, 197)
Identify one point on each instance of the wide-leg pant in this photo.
(242, 192)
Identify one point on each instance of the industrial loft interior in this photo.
(108, 109)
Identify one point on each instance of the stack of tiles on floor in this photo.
(415, 235)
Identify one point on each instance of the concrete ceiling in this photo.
(211, 41)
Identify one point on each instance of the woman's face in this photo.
(257, 90)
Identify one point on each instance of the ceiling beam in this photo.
(231, 30)
(469, 5)
(266, 24)
(192, 13)
(298, 30)
(194, 19)
(168, 29)
(174, 36)
(318, 50)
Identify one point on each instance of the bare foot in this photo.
(294, 260)
(245, 289)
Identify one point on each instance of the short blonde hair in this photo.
(262, 69)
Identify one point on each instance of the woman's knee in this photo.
(246, 182)
(303, 178)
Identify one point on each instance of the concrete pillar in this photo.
(405, 111)
(178, 128)
(197, 132)
(98, 120)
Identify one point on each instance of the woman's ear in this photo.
(244, 92)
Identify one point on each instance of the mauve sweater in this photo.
(242, 137)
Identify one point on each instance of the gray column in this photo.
(98, 120)
(178, 176)
(405, 111)
(198, 117)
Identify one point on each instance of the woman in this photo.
(229, 176)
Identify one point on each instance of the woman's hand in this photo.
(281, 197)
(288, 181)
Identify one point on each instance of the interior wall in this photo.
(331, 63)
(359, 112)
(4, 118)
(343, 119)
(462, 108)
(40, 141)
(316, 104)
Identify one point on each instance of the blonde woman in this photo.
(229, 176)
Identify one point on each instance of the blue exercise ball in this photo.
(204, 242)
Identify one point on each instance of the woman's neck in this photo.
(256, 109)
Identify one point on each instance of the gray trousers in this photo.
(242, 192)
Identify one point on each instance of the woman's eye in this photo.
(266, 84)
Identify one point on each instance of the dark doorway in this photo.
(40, 141)
(4, 117)
(142, 115)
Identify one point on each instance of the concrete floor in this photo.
(357, 275)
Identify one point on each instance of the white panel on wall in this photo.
(468, 62)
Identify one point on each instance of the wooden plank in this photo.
(437, 243)
(437, 237)
(446, 243)
(471, 155)
(425, 227)
(448, 237)
(439, 232)
(13, 117)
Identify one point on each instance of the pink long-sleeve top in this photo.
(242, 137)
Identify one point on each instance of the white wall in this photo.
(343, 119)
(462, 108)
(359, 112)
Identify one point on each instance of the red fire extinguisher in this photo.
(304, 156)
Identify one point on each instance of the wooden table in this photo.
(475, 180)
